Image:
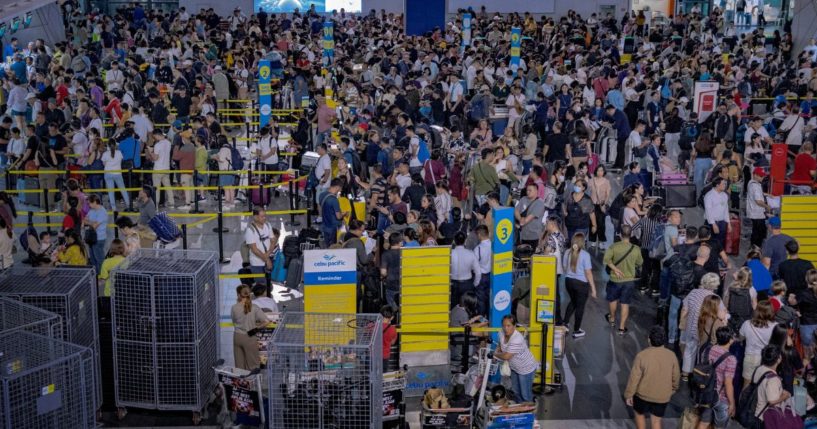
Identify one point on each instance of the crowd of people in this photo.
(432, 134)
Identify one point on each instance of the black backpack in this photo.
(740, 307)
(682, 272)
(703, 379)
(689, 133)
(747, 403)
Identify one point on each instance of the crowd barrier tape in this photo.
(166, 188)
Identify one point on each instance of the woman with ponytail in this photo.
(578, 272)
(247, 318)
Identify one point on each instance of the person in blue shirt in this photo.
(384, 158)
(97, 219)
(761, 278)
(19, 68)
(622, 126)
(10, 49)
(331, 216)
(131, 148)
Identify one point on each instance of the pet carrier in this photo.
(14, 315)
(45, 383)
(325, 371)
(165, 323)
(67, 292)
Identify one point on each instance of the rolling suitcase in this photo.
(31, 198)
(295, 274)
(259, 197)
(607, 146)
(733, 237)
(672, 179)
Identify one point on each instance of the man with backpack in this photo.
(711, 386)
(331, 216)
(690, 131)
(622, 259)
(765, 391)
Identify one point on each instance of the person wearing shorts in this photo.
(622, 259)
(725, 371)
(654, 378)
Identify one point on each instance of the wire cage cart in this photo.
(14, 315)
(45, 383)
(70, 293)
(165, 330)
(492, 412)
(325, 371)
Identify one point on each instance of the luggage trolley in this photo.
(492, 415)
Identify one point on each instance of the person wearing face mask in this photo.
(578, 211)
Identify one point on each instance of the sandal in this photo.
(610, 319)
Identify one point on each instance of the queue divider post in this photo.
(47, 210)
(184, 236)
(130, 183)
(115, 229)
(196, 209)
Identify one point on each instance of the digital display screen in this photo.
(321, 6)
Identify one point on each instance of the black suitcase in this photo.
(679, 196)
(31, 198)
(295, 274)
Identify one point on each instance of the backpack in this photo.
(165, 228)
(657, 249)
(682, 274)
(739, 308)
(354, 160)
(477, 109)
(279, 271)
(704, 378)
(689, 133)
(616, 207)
(422, 152)
(785, 316)
(747, 403)
(236, 161)
(722, 127)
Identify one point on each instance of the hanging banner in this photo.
(328, 43)
(706, 99)
(264, 92)
(466, 30)
(502, 269)
(543, 292)
(330, 281)
(516, 48)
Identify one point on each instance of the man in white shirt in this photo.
(142, 126)
(79, 142)
(160, 154)
(260, 239)
(484, 259)
(716, 210)
(415, 166)
(268, 149)
(114, 78)
(756, 207)
(323, 169)
(516, 105)
(756, 127)
(465, 271)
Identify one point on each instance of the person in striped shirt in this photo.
(514, 349)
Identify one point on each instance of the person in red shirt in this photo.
(389, 334)
(805, 166)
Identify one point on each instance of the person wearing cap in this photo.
(756, 207)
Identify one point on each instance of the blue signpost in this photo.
(264, 92)
(516, 48)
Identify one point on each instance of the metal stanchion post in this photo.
(260, 194)
(130, 183)
(196, 209)
(249, 194)
(46, 208)
(542, 388)
(466, 348)
(292, 221)
(220, 228)
(8, 180)
(31, 219)
(269, 284)
(221, 239)
(184, 236)
(115, 229)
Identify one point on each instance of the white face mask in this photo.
(561, 178)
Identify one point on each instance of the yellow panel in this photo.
(428, 270)
(792, 215)
(430, 346)
(426, 251)
(426, 281)
(806, 242)
(409, 319)
(424, 299)
(800, 225)
(430, 289)
(543, 287)
(503, 263)
(798, 199)
(430, 261)
(420, 327)
(340, 299)
(426, 308)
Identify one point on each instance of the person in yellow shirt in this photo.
(73, 251)
(116, 255)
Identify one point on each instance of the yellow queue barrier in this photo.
(798, 214)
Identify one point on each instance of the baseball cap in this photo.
(774, 222)
(759, 171)
(177, 124)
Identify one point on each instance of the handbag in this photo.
(90, 236)
(800, 396)
(505, 369)
(689, 419)
(781, 418)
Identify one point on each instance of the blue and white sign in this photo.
(516, 48)
(330, 267)
(502, 272)
(264, 92)
(466, 30)
(328, 42)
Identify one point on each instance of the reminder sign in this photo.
(330, 281)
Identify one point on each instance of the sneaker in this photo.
(184, 207)
(578, 334)
(610, 319)
(623, 332)
(655, 294)
(202, 199)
